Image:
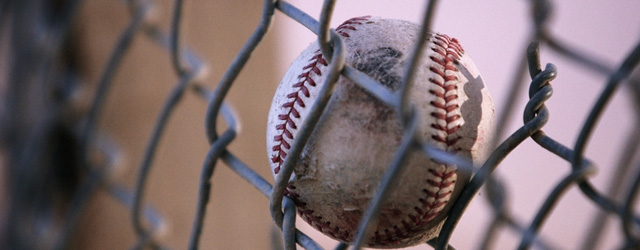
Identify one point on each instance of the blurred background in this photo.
(494, 35)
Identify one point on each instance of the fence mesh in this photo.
(56, 158)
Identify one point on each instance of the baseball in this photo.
(351, 147)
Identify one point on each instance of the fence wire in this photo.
(52, 153)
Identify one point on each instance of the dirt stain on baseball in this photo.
(380, 64)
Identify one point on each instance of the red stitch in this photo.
(316, 70)
(285, 144)
(288, 133)
(450, 66)
(439, 51)
(443, 37)
(450, 98)
(291, 123)
(295, 113)
(437, 60)
(288, 105)
(438, 204)
(305, 91)
(447, 184)
(437, 71)
(321, 60)
(452, 118)
(437, 105)
(311, 65)
(436, 173)
(348, 27)
(355, 20)
(448, 175)
(442, 195)
(433, 92)
(298, 85)
(440, 43)
(452, 107)
(277, 138)
(450, 87)
(455, 45)
(430, 194)
(439, 116)
(275, 159)
(434, 183)
(450, 78)
(453, 130)
(300, 102)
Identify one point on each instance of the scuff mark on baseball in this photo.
(351, 147)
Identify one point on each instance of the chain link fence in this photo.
(55, 158)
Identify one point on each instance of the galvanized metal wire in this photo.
(25, 135)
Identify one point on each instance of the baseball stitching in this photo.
(447, 121)
(448, 115)
(282, 146)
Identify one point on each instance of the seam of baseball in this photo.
(448, 116)
(282, 146)
(447, 121)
